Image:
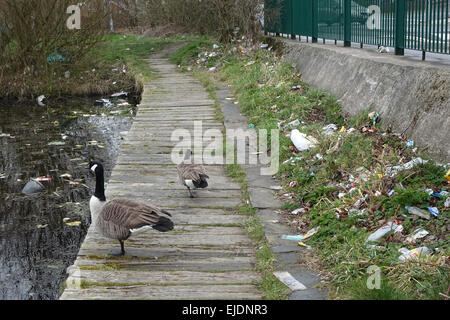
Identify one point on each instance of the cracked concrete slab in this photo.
(263, 198)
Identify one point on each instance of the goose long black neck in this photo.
(100, 184)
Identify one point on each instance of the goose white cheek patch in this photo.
(93, 168)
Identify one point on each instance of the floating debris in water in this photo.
(73, 224)
(6, 135)
(40, 101)
(33, 187)
(57, 143)
(103, 103)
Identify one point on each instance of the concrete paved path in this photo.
(208, 255)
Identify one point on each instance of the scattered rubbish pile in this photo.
(357, 181)
(393, 171)
(361, 185)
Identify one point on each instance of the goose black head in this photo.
(95, 167)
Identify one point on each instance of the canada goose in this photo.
(120, 218)
(192, 175)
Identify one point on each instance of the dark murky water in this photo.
(36, 243)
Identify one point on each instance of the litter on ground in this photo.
(380, 233)
(289, 280)
(414, 253)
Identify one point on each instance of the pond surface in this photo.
(40, 234)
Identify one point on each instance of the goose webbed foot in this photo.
(118, 253)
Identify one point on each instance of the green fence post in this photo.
(315, 20)
(266, 27)
(291, 12)
(400, 24)
(347, 23)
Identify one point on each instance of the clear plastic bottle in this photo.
(294, 238)
(418, 212)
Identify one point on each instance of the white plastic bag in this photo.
(300, 140)
(390, 226)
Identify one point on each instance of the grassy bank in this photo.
(345, 183)
(115, 64)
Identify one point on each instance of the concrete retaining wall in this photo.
(412, 97)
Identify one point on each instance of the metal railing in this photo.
(404, 24)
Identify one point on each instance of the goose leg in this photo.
(119, 253)
(190, 193)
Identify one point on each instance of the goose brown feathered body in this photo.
(118, 219)
(192, 176)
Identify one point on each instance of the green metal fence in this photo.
(404, 24)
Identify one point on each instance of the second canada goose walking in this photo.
(120, 218)
(193, 176)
